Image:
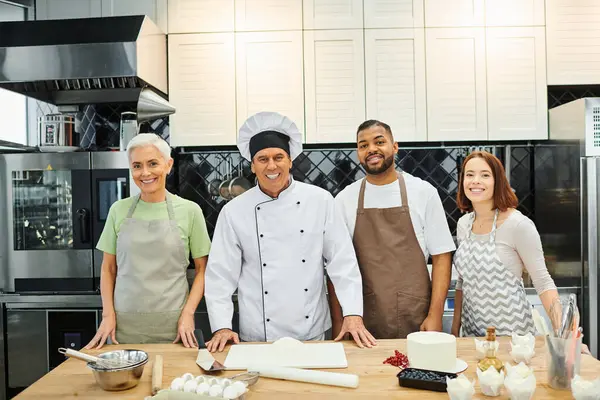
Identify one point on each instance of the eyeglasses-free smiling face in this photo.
(272, 169)
(478, 181)
(376, 149)
(149, 168)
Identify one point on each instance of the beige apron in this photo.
(396, 283)
(151, 286)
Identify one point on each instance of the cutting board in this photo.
(297, 355)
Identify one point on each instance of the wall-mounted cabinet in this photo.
(201, 16)
(507, 13)
(516, 83)
(393, 14)
(573, 42)
(335, 85)
(333, 14)
(456, 86)
(202, 88)
(395, 81)
(268, 15)
(269, 75)
(454, 13)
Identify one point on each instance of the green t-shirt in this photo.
(189, 217)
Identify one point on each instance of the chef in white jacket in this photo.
(271, 242)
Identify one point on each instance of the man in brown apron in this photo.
(397, 290)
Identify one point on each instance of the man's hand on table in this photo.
(354, 325)
(220, 339)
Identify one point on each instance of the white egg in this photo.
(213, 381)
(215, 391)
(226, 382)
(230, 393)
(200, 379)
(187, 376)
(240, 387)
(177, 384)
(190, 386)
(203, 388)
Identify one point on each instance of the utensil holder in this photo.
(563, 359)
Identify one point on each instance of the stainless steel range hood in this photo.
(84, 61)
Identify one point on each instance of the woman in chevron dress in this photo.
(496, 243)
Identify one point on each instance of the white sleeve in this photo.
(437, 233)
(222, 273)
(342, 265)
(341, 202)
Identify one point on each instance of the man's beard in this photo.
(387, 163)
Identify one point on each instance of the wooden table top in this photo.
(72, 379)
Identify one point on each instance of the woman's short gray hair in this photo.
(150, 139)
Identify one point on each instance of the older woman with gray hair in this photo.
(146, 242)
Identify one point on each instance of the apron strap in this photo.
(403, 195)
(170, 211)
(136, 199)
(361, 196)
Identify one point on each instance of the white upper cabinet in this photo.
(155, 9)
(201, 16)
(573, 36)
(514, 12)
(454, 13)
(395, 81)
(268, 15)
(333, 14)
(456, 87)
(335, 86)
(202, 89)
(516, 83)
(269, 75)
(62, 9)
(393, 13)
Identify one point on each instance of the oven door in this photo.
(48, 215)
(110, 182)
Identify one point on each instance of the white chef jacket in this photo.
(273, 252)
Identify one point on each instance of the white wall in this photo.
(13, 107)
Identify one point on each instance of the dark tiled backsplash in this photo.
(333, 169)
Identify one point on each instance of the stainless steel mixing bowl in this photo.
(114, 379)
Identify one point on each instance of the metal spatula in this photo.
(205, 359)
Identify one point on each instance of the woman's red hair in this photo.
(504, 197)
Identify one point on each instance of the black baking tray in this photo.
(427, 380)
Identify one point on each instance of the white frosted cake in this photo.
(434, 351)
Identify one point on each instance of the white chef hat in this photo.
(269, 129)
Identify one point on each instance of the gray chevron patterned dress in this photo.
(492, 295)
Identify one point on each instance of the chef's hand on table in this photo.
(432, 323)
(354, 325)
(107, 328)
(185, 330)
(220, 339)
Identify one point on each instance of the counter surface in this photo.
(72, 379)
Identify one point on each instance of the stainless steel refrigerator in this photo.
(579, 122)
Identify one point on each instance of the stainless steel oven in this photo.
(54, 208)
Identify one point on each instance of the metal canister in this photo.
(128, 128)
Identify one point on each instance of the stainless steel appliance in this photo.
(54, 209)
(579, 122)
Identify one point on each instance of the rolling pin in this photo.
(157, 374)
(304, 375)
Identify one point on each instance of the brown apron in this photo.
(396, 283)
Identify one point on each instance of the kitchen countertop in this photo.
(72, 379)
